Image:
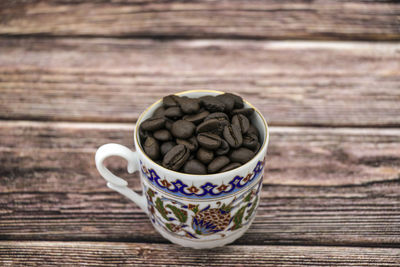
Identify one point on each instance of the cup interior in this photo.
(256, 118)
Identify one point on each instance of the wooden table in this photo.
(76, 74)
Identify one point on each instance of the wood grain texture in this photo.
(321, 186)
(325, 19)
(128, 254)
(292, 83)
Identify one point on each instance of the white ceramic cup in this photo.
(198, 211)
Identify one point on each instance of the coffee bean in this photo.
(250, 141)
(242, 121)
(217, 115)
(159, 112)
(166, 146)
(162, 135)
(190, 143)
(217, 164)
(233, 135)
(230, 166)
(176, 157)
(212, 125)
(182, 129)
(237, 99)
(228, 101)
(152, 148)
(189, 105)
(199, 135)
(222, 118)
(245, 111)
(170, 101)
(212, 104)
(241, 155)
(194, 166)
(144, 134)
(253, 130)
(173, 112)
(208, 140)
(152, 124)
(168, 124)
(223, 148)
(255, 150)
(196, 118)
(204, 155)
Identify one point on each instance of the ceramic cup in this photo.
(198, 211)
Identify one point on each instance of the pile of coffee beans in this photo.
(205, 135)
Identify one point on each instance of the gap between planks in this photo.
(131, 126)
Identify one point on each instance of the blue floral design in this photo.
(207, 190)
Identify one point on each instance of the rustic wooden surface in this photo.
(293, 83)
(138, 254)
(76, 74)
(299, 19)
(311, 194)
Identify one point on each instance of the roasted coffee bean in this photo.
(189, 105)
(168, 124)
(233, 135)
(196, 118)
(212, 125)
(144, 134)
(159, 112)
(241, 155)
(221, 117)
(162, 135)
(250, 141)
(228, 101)
(196, 135)
(152, 148)
(152, 124)
(230, 166)
(217, 164)
(242, 121)
(166, 146)
(204, 155)
(212, 104)
(173, 112)
(245, 111)
(237, 99)
(255, 150)
(182, 129)
(190, 143)
(223, 148)
(253, 130)
(217, 115)
(209, 140)
(176, 157)
(170, 101)
(194, 166)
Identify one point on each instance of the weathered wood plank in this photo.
(321, 186)
(292, 83)
(111, 254)
(328, 19)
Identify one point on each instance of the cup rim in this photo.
(208, 176)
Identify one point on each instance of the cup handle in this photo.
(114, 182)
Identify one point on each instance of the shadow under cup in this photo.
(202, 211)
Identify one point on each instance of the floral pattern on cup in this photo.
(207, 190)
(193, 221)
